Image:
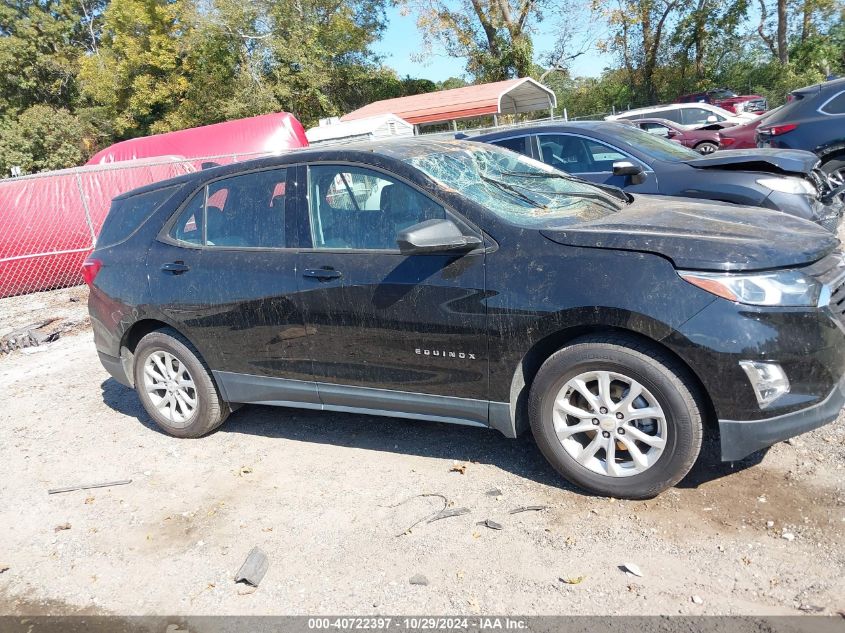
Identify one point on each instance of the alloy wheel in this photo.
(610, 423)
(170, 387)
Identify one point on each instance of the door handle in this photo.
(323, 274)
(176, 268)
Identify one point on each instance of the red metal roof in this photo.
(501, 97)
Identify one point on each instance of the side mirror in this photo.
(435, 236)
(627, 168)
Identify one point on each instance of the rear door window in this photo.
(244, 211)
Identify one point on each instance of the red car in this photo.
(701, 140)
(743, 136)
(728, 100)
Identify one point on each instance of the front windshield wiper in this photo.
(616, 192)
(513, 190)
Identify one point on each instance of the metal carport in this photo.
(513, 96)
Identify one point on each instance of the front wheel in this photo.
(175, 386)
(616, 416)
(835, 170)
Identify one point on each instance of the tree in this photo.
(494, 36)
(639, 30)
(41, 43)
(43, 137)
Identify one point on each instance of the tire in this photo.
(665, 388)
(706, 147)
(168, 352)
(835, 170)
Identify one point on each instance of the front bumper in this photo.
(740, 438)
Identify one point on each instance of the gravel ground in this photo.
(322, 493)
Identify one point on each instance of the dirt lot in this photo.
(321, 493)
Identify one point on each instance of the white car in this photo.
(687, 114)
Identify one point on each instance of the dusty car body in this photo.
(460, 282)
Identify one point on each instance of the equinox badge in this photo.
(444, 353)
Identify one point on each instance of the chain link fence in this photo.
(49, 221)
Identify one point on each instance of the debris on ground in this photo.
(418, 579)
(106, 484)
(63, 526)
(697, 600)
(245, 591)
(788, 536)
(633, 569)
(4, 568)
(458, 468)
(495, 492)
(427, 518)
(254, 568)
(528, 509)
(577, 580)
(491, 524)
(33, 335)
(244, 470)
(811, 608)
(448, 513)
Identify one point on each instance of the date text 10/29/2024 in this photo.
(418, 624)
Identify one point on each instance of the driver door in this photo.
(389, 331)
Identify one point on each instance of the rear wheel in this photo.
(706, 147)
(616, 417)
(175, 386)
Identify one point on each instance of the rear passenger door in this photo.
(243, 314)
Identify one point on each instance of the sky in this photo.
(401, 40)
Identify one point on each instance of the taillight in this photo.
(777, 130)
(90, 268)
(726, 141)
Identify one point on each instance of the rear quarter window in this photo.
(127, 214)
(835, 105)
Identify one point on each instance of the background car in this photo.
(728, 100)
(813, 119)
(692, 114)
(743, 136)
(623, 156)
(703, 141)
(459, 282)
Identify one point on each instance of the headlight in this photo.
(787, 184)
(780, 288)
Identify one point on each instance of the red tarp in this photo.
(232, 140)
(48, 221)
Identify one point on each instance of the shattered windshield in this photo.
(517, 188)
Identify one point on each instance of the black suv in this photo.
(460, 282)
(813, 119)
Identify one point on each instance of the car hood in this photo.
(703, 236)
(781, 161)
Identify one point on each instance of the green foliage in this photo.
(43, 137)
